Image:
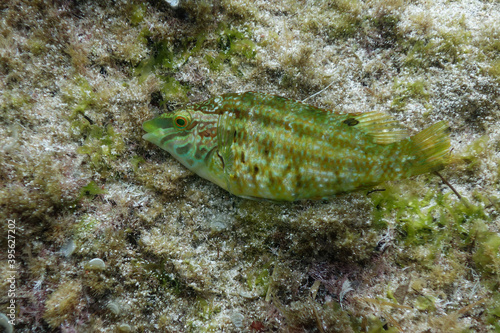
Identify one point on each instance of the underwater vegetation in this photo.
(115, 235)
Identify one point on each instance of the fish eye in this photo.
(181, 121)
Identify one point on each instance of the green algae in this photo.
(405, 91)
(166, 59)
(494, 311)
(92, 189)
(427, 53)
(233, 46)
(494, 69)
(486, 255)
(137, 13)
(435, 219)
(258, 281)
(173, 90)
(474, 153)
(102, 146)
(85, 227)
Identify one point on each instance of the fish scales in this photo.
(279, 162)
(262, 146)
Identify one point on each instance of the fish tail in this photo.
(430, 149)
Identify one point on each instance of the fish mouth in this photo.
(152, 125)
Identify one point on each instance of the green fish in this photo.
(257, 145)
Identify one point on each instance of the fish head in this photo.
(189, 135)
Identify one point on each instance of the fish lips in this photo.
(152, 125)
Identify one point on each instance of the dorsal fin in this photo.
(380, 126)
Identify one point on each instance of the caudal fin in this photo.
(431, 148)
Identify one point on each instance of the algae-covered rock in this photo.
(78, 80)
(62, 304)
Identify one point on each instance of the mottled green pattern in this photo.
(263, 146)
